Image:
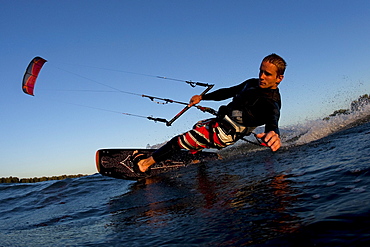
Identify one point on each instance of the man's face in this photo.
(268, 77)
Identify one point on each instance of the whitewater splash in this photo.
(306, 132)
(313, 130)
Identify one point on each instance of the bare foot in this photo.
(144, 164)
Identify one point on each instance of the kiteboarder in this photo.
(255, 102)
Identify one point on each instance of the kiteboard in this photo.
(117, 163)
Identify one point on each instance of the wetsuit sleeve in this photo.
(224, 93)
(272, 122)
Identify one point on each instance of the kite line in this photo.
(34, 67)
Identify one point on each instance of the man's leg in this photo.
(160, 154)
(203, 135)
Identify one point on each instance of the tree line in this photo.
(35, 179)
(356, 105)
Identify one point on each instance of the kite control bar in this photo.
(209, 87)
(187, 107)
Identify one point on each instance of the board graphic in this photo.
(116, 162)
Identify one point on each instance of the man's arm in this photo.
(271, 135)
(218, 95)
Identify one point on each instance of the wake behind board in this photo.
(116, 162)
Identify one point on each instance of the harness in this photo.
(231, 131)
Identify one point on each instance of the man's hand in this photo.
(271, 139)
(195, 100)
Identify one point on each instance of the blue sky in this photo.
(90, 44)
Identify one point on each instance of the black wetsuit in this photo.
(251, 106)
(259, 106)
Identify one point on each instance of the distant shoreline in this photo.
(36, 180)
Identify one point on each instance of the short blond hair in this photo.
(278, 61)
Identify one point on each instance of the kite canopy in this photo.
(30, 76)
